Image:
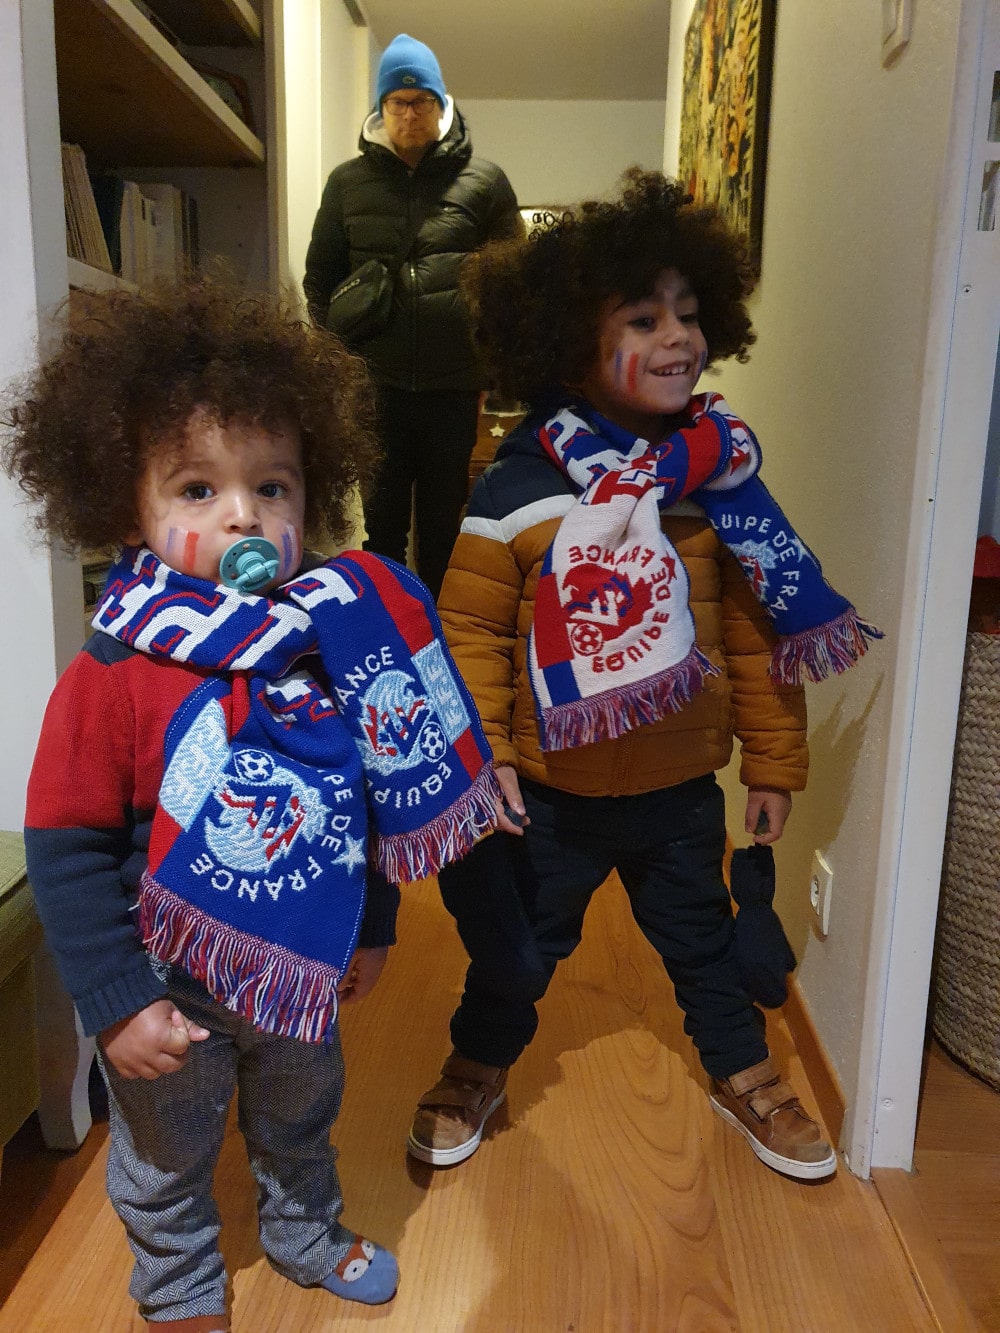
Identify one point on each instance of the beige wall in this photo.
(325, 62)
(557, 152)
(833, 389)
(344, 91)
(320, 65)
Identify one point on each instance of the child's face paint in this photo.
(651, 355)
(223, 483)
(290, 548)
(181, 550)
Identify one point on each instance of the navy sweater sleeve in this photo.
(81, 843)
(378, 925)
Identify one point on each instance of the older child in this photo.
(214, 766)
(614, 645)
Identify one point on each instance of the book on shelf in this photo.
(192, 241)
(85, 238)
(167, 205)
(109, 192)
(136, 237)
(95, 576)
(151, 229)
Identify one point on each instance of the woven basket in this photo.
(967, 988)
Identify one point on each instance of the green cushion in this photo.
(20, 930)
(11, 861)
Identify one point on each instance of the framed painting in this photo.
(728, 52)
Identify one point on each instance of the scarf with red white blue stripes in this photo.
(612, 646)
(331, 727)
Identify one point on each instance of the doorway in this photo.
(958, 381)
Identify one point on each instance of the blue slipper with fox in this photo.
(367, 1273)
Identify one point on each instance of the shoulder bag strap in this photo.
(420, 216)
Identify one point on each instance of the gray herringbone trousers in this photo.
(165, 1138)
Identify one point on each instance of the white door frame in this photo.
(960, 362)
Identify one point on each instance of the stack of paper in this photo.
(85, 239)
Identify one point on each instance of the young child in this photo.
(246, 728)
(615, 636)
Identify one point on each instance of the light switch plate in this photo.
(896, 19)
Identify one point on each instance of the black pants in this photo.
(428, 440)
(519, 905)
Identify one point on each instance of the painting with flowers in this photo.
(727, 80)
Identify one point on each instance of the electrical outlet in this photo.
(821, 890)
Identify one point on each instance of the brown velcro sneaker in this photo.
(770, 1117)
(449, 1121)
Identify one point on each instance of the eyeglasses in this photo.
(398, 106)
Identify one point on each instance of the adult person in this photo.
(416, 160)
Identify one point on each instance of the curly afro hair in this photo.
(126, 379)
(537, 304)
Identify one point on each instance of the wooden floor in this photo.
(947, 1210)
(608, 1199)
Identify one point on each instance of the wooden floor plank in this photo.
(926, 1254)
(607, 1197)
(957, 1178)
(958, 1112)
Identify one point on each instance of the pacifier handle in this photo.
(249, 564)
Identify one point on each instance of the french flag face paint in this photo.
(626, 370)
(181, 550)
(290, 550)
(190, 557)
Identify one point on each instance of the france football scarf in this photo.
(278, 788)
(612, 646)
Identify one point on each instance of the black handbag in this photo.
(361, 305)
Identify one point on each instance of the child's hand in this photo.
(768, 805)
(362, 972)
(512, 801)
(152, 1042)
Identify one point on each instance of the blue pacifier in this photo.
(249, 564)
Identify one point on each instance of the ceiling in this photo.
(602, 50)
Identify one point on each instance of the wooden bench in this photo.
(45, 1059)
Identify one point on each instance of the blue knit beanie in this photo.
(408, 63)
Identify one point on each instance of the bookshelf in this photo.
(138, 108)
(129, 97)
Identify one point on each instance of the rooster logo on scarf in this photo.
(263, 808)
(756, 558)
(399, 723)
(602, 604)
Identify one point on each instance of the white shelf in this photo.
(86, 278)
(211, 22)
(130, 99)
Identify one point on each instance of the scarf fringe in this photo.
(277, 991)
(610, 715)
(406, 857)
(827, 650)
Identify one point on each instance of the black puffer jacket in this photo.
(366, 206)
